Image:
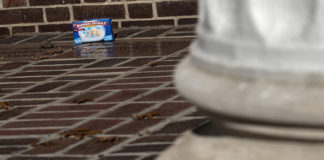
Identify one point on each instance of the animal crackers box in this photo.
(92, 30)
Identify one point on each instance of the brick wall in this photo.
(37, 16)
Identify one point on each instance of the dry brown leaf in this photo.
(34, 144)
(41, 57)
(49, 143)
(78, 133)
(152, 64)
(5, 105)
(46, 144)
(149, 115)
(108, 139)
(83, 100)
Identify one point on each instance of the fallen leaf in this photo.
(108, 139)
(5, 105)
(83, 100)
(46, 144)
(49, 143)
(41, 57)
(78, 133)
(34, 144)
(149, 115)
(152, 64)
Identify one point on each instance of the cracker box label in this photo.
(92, 30)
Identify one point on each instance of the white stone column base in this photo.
(194, 147)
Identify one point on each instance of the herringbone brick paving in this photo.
(104, 97)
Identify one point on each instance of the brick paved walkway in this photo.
(114, 108)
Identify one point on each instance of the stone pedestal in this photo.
(257, 67)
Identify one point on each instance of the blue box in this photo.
(92, 30)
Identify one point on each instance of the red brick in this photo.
(13, 142)
(47, 158)
(47, 123)
(31, 15)
(40, 95)
(144, 80)
(180, 98)
(144, 148)
(139, 62)
(135, 126)
(91, 147)
(160, 95)
(185, 21)
(82, 85)
(10, 150)
(106, 70)
(102, 11)
(186, 29)
(27, 132)
(13, 112)
(40, 68)
(152, 32)
(146, 23)
(177, 8)
(144, 49)
(170, 85)
(169, 47)
(87, 77)
(69, 62)
(151, 74)
(47, 86)
(23, 29)
(28, 102)
(107, 63)
(59, 145)
(4, 32)
(123, 48)
(12, 65)
(140, 10)
(123, 95)
(82, 107)
(199, 113)
(93, 1)
(127, 86)
(54, 28)
(14, 3)
(151, 157)
(52, 2)
(28, 79)
(156, 138)
(93, 95)
(128, 110)
(99, 124)
(119, 158)
(57, 115)
(159, 68)
(181, 34)
(170, 109)
(125, 33)
(6, 91)
(39, 73)
(57, 14)
(181, 126)
(168, 63)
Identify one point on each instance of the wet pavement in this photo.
(96, 101)
(129, 42)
